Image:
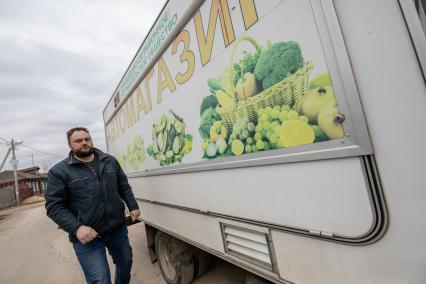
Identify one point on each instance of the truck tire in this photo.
(201, 262)
(175, 259)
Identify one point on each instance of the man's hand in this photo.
(135, 214)
(85, 234)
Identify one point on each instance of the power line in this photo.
(8, 142)
(34, 153)
(26, 161)
(4, 140)
(41, 157)
(40, 151)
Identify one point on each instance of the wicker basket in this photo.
(287, 91)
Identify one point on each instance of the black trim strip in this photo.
(417, 3)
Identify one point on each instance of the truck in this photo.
(284, 136)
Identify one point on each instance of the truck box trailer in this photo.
(284, 136)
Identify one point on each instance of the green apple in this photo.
(322, 80)
(327, 123)
(315, 100)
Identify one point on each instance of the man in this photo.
(84, 196)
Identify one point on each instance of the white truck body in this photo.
(346, 210)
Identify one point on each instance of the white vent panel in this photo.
(249, 235)
(249, 245)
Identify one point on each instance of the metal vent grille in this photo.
(249, 245)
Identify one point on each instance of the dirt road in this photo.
(34, 250)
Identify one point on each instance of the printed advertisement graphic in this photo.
(266, 101)
(234, 82)
(169, 141)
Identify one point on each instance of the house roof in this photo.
(7, 176)
(31, 169)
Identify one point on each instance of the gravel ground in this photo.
(34, 250)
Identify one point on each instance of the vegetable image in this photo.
(246, 86)
(319, 135)
(224, 99)
(328, 123)
(295, 133)
(218, 131)
(209, 101)
(121, 160)
(135, 154)
(237, 147)
(277, 62)
(215, 85)
(246, 65)
(291, 128)
(262, 102)
(311, 103)
(211, 150)
(322, 80)
(208, 118)
(169, 141)
(221, 146)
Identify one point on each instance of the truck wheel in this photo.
(175, 261)
(201, 262)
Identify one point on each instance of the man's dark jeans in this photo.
(93, 259)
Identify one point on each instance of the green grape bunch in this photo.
(135, 153)
(242, 132)
(269, 129)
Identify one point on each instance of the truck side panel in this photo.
(329, 195)
(304, 208)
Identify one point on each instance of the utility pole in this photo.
(15, 173)
(32, 159)
(5, 158)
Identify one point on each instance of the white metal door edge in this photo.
(417, 33)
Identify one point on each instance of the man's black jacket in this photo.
(74, 196)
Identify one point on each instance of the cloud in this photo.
(60, 61)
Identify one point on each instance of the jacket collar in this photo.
(72, 160)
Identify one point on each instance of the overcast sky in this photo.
(60, 62)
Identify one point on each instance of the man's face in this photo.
(81, 144)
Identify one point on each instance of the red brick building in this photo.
(30, 181)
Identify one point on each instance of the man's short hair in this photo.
(74, 129)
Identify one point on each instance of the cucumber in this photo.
(176, 145)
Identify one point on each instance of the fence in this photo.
(7, 197)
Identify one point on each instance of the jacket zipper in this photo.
(103, 190)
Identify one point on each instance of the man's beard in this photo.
(83, 154)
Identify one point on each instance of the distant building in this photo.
(30, 181)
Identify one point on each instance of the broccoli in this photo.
(209, 101)
(208, 118)
(277, 62)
